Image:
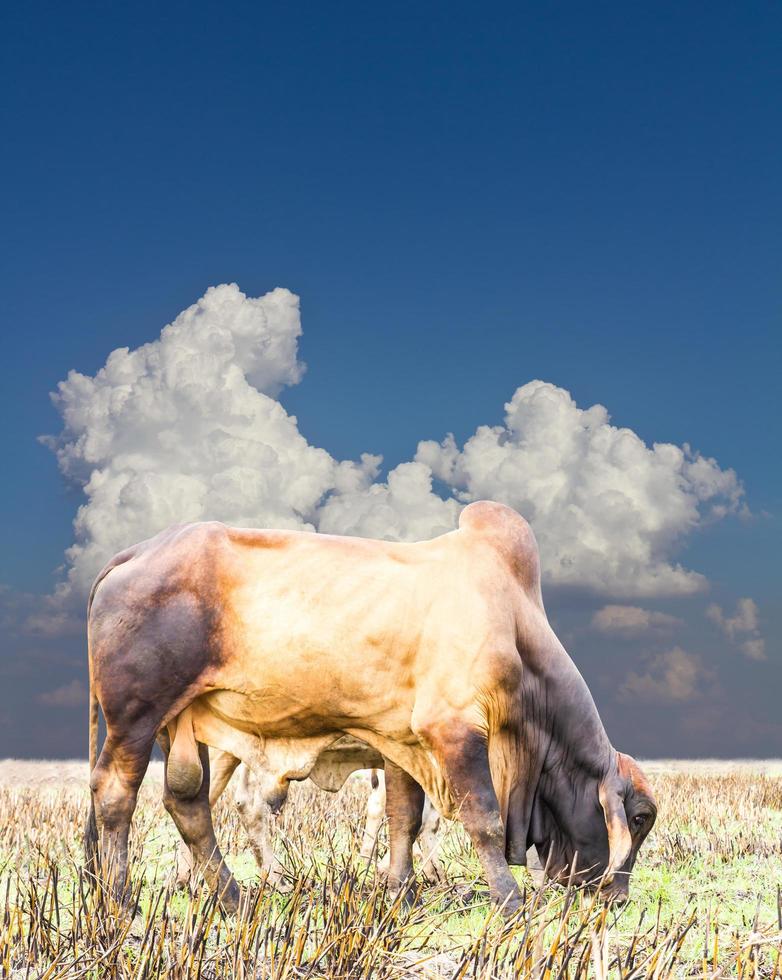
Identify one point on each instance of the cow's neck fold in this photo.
(577, 738)
(570, 750)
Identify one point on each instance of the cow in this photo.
(333, 767)
(272, 644)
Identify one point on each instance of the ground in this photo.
(705, 896)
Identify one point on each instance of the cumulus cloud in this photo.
(673, 677)
(743, 627)
(608, 510)
(403, 508)
(631, 619)
(188, 427)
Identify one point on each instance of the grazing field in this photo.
(705, 897)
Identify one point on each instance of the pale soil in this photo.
(56, 773)
(73, 773)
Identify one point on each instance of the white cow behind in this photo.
(258, 803)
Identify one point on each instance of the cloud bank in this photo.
(675, 676)
(628, 620)
(188, 427)
(71, 695)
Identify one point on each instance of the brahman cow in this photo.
(271, 644)
(256, 815)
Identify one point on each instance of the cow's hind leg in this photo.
(222, 766)
(463, 753)
(404, 807)
(114, 783)
(193, 818)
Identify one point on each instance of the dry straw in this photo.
(339, 920)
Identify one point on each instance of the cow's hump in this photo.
(507, 531)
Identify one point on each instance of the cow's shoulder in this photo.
(507, 532)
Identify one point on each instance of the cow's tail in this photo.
(94, 715)
(91, 828)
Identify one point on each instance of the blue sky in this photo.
(465, 198)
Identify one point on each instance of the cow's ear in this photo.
(620, 842)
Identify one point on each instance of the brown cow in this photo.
(270, 645)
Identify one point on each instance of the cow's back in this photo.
(293, 629)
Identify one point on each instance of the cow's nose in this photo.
(618, 900)
(617, 893)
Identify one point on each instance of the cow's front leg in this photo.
(376, 809)
(463, 753)
(404, 807)
(429, 841)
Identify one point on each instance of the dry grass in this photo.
(705, 902)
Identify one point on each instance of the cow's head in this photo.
(599, 822)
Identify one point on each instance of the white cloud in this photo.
(631, 619)
(608, 511)
(72, 695)
(188, 427)
(744, 620)
(754, 649)
(404, 508)
(743, 627)
(672, 677)
(37, 615)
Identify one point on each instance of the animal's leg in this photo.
(258, 820)
(535, 868)
(462, 752)
(184, 864)
(222, 766)
(428, 843)
(114, 783)
(404, 806)
(193, 819)
(376, 808)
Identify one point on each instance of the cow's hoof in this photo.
(406, 895)
(465, 894)
(278, 883)
(511, 907)
(407, 900)
(382, 866)
(230, 898)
